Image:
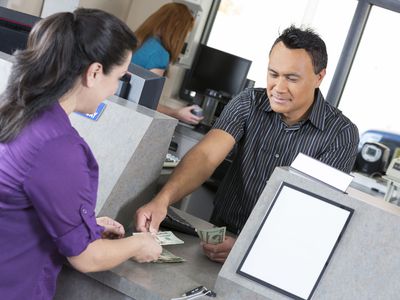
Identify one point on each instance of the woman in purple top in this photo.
(48, 175)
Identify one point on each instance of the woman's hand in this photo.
(184, 114)
(148, 249)
(112, 229)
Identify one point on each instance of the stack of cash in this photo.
(214, 235)
(166, 238)
(168, 257)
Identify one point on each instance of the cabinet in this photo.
(200, 202)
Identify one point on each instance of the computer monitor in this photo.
(215, 70)
(141, 86)
(14, 29)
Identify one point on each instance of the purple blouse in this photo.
(48, 188)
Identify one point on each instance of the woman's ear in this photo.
(92, 74)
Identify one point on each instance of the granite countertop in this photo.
(165, 281)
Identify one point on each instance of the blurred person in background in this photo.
(161, 38)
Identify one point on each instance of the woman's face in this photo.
(101, 86)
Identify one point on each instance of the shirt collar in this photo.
(317, 114)
(264, 103)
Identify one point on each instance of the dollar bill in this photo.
(168, 238)
(168, 257)
(165, 238)
(214, 235)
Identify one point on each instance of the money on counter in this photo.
(165, 238)
(168, 257)
(214, 235)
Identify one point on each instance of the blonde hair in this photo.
(171, 23)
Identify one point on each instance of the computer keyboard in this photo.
(175, 222)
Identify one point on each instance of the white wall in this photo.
(32, 7)
(140, 10)
(119, 8)
(5, 70)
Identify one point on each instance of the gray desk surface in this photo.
(165, 281)
(189, 131)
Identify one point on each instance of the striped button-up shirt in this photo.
(265, 141)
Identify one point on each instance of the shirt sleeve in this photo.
(234, 117)
(151, 55)
(62, 185)
(342, 152)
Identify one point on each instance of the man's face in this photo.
(291, 82)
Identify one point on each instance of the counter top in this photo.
(160, 281)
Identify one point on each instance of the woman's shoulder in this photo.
(50, 134)
(153, 45)
(153, 42)
(151, 55)
(51, 125)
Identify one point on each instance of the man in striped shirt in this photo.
(270, 127)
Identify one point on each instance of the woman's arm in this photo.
(159, 72)
(183, 114)
(103, 254)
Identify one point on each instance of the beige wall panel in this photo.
(32, 7)
(119, 8)
(141, 9)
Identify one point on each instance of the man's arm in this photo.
(196, 166)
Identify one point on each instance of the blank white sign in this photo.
(321, 171)
(295, 242)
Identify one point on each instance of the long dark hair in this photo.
(59, 50)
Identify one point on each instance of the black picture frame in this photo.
(274, 201)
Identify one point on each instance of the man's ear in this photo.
(92, 74)
(320, 76)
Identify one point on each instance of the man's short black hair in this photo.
(296, 38)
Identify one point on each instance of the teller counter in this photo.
(150, 281)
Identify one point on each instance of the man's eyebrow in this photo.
(287, 74)
(292, 75)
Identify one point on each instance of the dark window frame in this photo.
(351, 44)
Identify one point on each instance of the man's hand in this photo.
(219, 252)
(149, 217)
(112, 229)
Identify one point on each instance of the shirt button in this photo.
(84, 211)
(277, 155)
